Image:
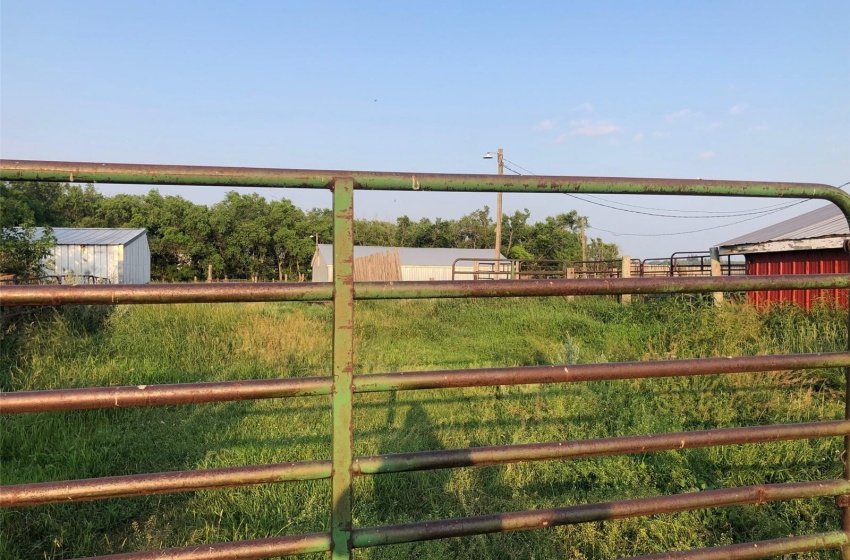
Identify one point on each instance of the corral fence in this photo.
(692, 263)
(342, 386)
(54, 279)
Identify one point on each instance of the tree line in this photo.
(247, 236)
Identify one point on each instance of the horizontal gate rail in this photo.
(186, 481)
(192, 175)
(343, 385)
(118, 294)
(605, 511)
(760, 549)
(223, 391)
(572, 373)
(512, 521)
(157, 395)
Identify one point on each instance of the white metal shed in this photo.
(121, 255)
(417, 263)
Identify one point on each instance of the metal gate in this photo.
(342, 384)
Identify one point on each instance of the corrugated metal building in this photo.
(416, 263)
(121, 255)
(812, 243)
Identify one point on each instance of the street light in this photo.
(500, 159)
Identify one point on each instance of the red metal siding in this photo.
(823, 261)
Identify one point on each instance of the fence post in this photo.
(343, 366)
(716, 270)
(626, 299)
(843, 501)
(570, 273)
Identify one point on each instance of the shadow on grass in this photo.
(413, 496)
(97, 443)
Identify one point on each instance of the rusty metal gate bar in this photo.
(342, 384)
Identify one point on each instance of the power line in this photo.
(731, 215)
(713, 214)
(741, 212)
(518, 165)
(695, 230)
(764, 211)
(509, 169)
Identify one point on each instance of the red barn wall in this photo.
(821, 261)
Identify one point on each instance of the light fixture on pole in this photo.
(500, 159)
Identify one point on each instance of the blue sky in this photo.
(719, 90)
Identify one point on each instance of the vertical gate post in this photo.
(844, 501)
(845, 455)
(343, 365)
(716, 270)
(626, 272)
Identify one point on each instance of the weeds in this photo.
(181, 343)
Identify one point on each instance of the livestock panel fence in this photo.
(341, 386)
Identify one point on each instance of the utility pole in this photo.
(582, 222)
(500, 155)
(501, 161)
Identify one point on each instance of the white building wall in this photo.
(410, 273)
(322, 271)
(114, 261)
(70, 259)
(130, 264)
(425, 273)
(135, 264)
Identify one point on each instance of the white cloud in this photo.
(561, 139)
(738, 109)
(679, 115)
(585, 107)
(707, 155)
(547, 124)
(638, 137)
(714, 126)
(587, 127)
(760, 127)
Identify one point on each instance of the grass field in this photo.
(167, 344)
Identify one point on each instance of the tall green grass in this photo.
(181, 343)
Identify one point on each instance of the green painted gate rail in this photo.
(342, 384)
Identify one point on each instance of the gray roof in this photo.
(93, 236)
(414, 256)
(827, 221)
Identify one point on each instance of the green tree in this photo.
(516, 234)
(374, 232)
(79, 206)
(242, 235)
(475, 230)
(292, 246)
(30, 202)
(23, 251)
(179, 233)
(599, 250)
(556, 238)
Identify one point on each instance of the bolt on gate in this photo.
(342, 385)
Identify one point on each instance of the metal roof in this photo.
(93, 236)
(414, 256)
(824, 222)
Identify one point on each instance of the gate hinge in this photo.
(843, 500)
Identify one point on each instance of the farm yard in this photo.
(145, 345)
(417, 281)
